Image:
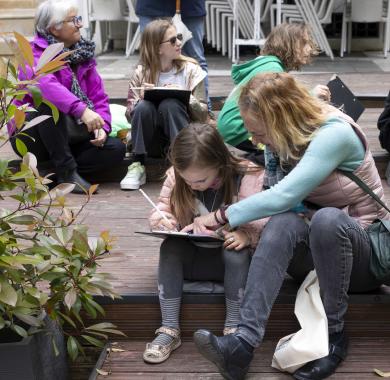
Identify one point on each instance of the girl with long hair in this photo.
(154, 126)
(204, 176)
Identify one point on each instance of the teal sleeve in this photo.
(335, 145)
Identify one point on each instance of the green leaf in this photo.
(12, 69)
(101, 326)
(93, 341)
(29, 319)
(72, 347)
(8, 294)
(3, 167)
(21, 259)
(19, 330)
(54, 110)
(4, 83)
(22, 219)
(36, 95)
(70, 298)
(21, 147)
(67, 319)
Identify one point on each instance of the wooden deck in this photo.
(134, 259)
(186, 363)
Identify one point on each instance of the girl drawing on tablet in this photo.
(203, 177)
(155, 125)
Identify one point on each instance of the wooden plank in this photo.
(365, 354)
(140, 320)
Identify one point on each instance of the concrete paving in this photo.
(115, 65)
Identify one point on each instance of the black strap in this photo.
(364, 186)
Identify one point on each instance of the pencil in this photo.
(154, 205)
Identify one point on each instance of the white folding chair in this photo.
(132, 38)
(365, 11)
(104, 11)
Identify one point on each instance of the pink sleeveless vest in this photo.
(341, 192)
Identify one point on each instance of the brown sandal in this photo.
(156, 353)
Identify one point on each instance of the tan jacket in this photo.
(251, 183)
(341, 192)
(195, 76)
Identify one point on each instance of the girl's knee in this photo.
(144, 107)
(170, 106)
(236, 259)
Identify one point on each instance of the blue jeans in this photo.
(335, 244)
(192, 48)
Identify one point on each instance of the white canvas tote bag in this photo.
(311, 341)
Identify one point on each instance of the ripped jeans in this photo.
(180, 259)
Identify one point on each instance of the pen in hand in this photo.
(155, 207)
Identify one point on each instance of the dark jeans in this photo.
(180, 259)
(154, 127)
(340, 250)
(49, 142)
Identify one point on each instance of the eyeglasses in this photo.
(173, 39)
(77, 20)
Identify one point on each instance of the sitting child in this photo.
(154, 126)
(203, 177)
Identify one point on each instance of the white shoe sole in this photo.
(133, 186)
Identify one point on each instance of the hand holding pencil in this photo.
(165, 223)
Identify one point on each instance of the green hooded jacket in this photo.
(230, 124)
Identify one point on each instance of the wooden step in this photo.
(364, 355)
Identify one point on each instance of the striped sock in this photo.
(232, 313)
(170, 310)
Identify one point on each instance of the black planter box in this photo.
(33, 358)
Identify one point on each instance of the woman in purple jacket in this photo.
(78, 93)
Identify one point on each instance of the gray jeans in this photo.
(180, 259)
(340, 250)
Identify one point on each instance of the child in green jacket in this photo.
(288, 47)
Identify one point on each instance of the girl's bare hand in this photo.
(236, 240)
(144, 87)
(322, 92)
(205, 224)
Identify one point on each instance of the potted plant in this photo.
(48, 265)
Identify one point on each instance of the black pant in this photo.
(152, 128)
(49, 142)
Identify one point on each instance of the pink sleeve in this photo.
(163, 201)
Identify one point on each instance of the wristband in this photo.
(222, 211)
(216, 219)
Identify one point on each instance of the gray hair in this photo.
(52, 13)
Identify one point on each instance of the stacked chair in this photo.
(365, 11)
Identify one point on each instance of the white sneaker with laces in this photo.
(134, 178)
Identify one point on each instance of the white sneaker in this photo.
(134, 178)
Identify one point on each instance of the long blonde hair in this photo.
(290, 114)
(151, 39)
(286, 41)
(202, 146)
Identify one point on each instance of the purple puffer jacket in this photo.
(56, 88)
